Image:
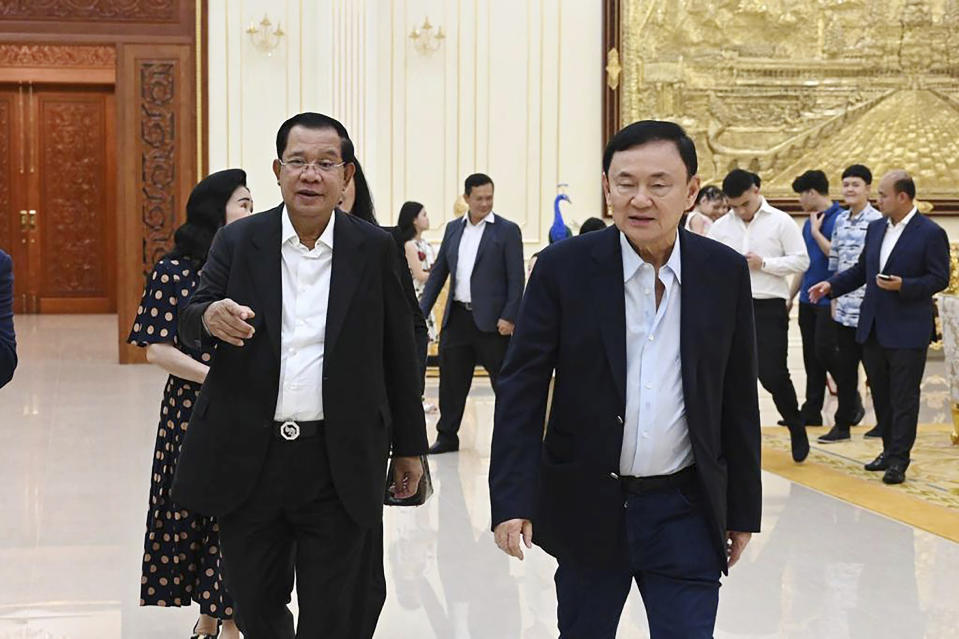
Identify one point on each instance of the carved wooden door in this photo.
(61, 217)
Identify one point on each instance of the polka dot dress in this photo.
(181, 557)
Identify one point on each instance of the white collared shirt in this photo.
(306, 295)
(655, 434)
(466, 258)
(889, 240)
(773, 235)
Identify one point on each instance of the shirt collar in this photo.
(289, 233)
(632, 261)
(489, 219)
(903, 221)
(865, 212)
(834, 209)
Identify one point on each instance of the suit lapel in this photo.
(348, 265)
(485, 239)
(693, 293)
(610, 302)
(267, 276)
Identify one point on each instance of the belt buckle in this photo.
(290, 430)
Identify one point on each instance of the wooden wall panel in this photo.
(7, 106)
(157, 132)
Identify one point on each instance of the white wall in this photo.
(514, 91)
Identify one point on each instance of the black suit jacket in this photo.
(371, 398)
(497, 280)
(573, 322)
(8, 341)
(904, 318)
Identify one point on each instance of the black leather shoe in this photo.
(873, 433)
(835, 434)
(799, 443)
(879, 463)
(444, 446)
(812, 420)
(860, 412)
(895, 474)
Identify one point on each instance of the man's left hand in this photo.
(505, 327)
(889, 285)
(755, 261)
(407, 472)
(735, 544)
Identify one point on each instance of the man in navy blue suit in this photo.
(8, 342)
(649, 468)
(905, 261)
(482, 255)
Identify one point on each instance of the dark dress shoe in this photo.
(799, 442)
(895, 474)
(444, 446)
(835, 434)
(860, 413)
(873, 433)
(879, 463)
(812, 420)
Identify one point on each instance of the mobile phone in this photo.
(883, 276)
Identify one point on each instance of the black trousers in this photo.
(462, 347)
(894, 377)
(820, 349)
(772, 342)
(293, 525)
(846, 373)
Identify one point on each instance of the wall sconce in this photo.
(263, 37)
(425, 39)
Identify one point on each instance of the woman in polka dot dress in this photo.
(181, 559)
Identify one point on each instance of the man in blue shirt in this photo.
(815, 319)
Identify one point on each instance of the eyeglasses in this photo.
(323, 166)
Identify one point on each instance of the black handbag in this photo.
(423, 492)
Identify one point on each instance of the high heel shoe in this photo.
(203, 635)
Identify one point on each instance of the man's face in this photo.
(746, 205)
(648, 190)
(891, 204)
(312, 191)
(480, 200)
(809, 201)
(855, 192)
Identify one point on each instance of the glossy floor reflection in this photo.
(76, 439)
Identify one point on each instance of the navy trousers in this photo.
(674, 561)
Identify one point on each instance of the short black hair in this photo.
(315, 121)
(592, 224)
(476, 179)
(646, 131)
(860, 171)
(812, 180)
(738, 181)
(905, 185)
(710, 192)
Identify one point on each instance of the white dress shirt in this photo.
(889, 240)
(306, 295)
(466, 258)
(773, 235)
(655, 435)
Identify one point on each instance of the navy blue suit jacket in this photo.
(8, 342)
(573, 321)
(904, 318)
(497, 281)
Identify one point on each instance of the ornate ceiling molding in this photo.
(57, 56)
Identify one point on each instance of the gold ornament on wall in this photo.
(613, 69)
(780, 87)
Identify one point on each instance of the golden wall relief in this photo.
(778, 86)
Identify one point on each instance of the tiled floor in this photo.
(76, 439)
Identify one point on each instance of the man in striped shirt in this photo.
(848, 239)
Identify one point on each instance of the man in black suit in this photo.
(649, 469)
(482, 254)
(905, 261)
(8, 340)
(314, 380)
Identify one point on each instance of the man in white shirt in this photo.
(774, 248)
(482, 254)
(313, 385)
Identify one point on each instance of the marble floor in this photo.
(76, 440)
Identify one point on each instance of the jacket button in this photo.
(614, 475)
(619, 419)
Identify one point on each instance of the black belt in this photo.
(466, 306)
(656, 483)
(291, 430)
